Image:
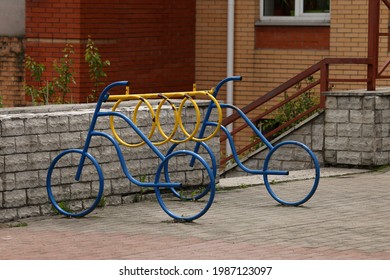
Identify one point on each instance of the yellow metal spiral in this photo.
(155, 115)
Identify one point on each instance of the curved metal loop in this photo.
(112, 124)
(218, 122)
(178, 120)
(158, 123)
(197, 124)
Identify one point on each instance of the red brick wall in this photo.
(293, 37)
(151, 43)
(11, 71)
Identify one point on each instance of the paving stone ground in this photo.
(346, 219)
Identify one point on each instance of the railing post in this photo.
(324, 83)
(373, 42)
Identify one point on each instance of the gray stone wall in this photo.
(357, 128)
(32, 137)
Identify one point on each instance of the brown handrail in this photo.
(323, 81)
(293, 81)
(272, 109)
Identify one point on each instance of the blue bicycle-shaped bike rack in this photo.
(73, 168)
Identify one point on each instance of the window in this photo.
(294, 10)
(293, 24)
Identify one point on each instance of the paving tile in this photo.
(347, 218)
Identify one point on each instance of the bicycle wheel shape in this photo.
(193, 182)
(303, 169)
(70, 196)
(207, 154)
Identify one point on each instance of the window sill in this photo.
(292, 22)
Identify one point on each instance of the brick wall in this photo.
(292, 37)
(264, 68)
(151, 43)
(11, 71)
(31, 137)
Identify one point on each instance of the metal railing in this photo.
(323, 82)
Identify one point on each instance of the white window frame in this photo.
(299, 16)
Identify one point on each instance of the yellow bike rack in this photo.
(155, 115)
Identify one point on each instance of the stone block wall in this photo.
(353, 131)
(31, 137)
(357, 128)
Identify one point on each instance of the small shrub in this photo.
(65, 71)
(64, 205)
(102, 202)
(42, 92)
(292, 109)
(96, 67)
